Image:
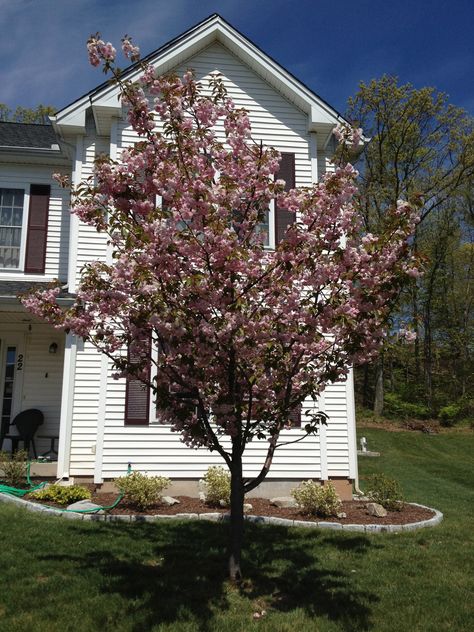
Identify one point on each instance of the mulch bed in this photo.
(355, 510)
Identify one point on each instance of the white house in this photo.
(84, 407)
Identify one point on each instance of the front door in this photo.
(12, 363)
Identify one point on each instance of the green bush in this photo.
(315, 499)
(448, 415)
(385, 491)
(217, 485)
(461, 411)
(13, 467)
(397, 408)
(141, 490)
(61, 494)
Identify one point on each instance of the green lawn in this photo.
(61, 575)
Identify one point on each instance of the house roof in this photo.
(14, 289)
(27, 135)
(321, 116)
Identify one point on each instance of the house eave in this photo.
(105, 103)
(35, 155)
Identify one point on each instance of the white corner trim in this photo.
(67, 399)
(74, 220)
(351, 426)
(113, 138)
(99, 448)
(323, 450)
(104, 360)
(313, 156)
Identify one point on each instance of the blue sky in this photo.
(330, 45)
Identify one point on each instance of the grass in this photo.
(61, 575)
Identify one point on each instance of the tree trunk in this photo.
(236, 516)
(428, 359)
(365, 387)
(378, 398)
(416, 331)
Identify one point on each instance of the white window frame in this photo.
(271, 226)
(24, 226)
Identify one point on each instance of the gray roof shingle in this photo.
(17, 288)
(27, 135)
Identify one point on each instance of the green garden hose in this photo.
(15, 491)
(19, 493)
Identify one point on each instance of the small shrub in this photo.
(397, 408)
(141, 490)
(13, 467)
(448, 415)
(62, 495)
(316, 499)
(385, 491)
(217, 485)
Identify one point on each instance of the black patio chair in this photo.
(27, 423)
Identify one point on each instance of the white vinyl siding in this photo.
(275, 121)
(337, 437)
(85, 411)
(157, 450)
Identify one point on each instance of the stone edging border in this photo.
(218, 517)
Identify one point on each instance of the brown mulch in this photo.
(355, 510)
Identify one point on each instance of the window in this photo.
(12, 214)
(140, 403)
(267, 227)
(24, 228)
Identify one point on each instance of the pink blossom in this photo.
(99, 50)
(351, 137)
(129, 50)
(192, 273)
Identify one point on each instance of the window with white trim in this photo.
(267, 227)
(12, 232)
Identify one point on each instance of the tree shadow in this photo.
(294, 573)
(185, 578)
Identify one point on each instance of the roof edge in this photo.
(242, 41)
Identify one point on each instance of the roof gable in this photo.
(104, 99)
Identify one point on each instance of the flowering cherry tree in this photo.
(239, 334)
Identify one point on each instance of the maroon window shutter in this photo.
(284, 218)
(37, 228)
(137, 395)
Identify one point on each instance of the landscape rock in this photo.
(223, 503)
(202, 497)
(374, 509)
(247, 507)
(168, 501)
(80, 505)
(342, 514)
(284, 502)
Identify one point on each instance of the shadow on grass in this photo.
(185, 578)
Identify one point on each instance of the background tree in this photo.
(421, 149)
(230, 336)
(39, 115)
